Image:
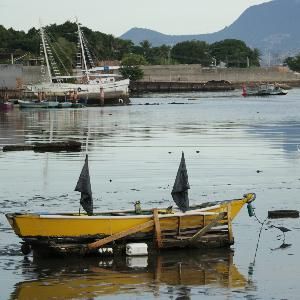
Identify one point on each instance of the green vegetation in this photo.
(130, 66)
(234, 53)
(104, 47)
(191, 52)
(293, 62)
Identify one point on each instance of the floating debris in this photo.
(46, 147)
(281, 214)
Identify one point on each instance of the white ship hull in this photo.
(92, 90)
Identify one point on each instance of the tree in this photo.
(131, 66)
(234, 53)
(191, 52)
(146, 49)
(293, 62)
(160, 55)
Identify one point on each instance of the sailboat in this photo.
(99, 87)
(207, 225)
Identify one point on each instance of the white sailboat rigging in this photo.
(94, 86)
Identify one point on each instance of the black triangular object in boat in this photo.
(181, 186)
(84, 186)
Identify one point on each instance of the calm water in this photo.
(134, 152)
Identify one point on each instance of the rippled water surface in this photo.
(232, 145)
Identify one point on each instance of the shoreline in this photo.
(209, 86)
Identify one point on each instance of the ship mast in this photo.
(45, 52)
(82, 50)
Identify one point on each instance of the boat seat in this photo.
(118, 214)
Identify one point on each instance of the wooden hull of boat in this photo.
(101, 225)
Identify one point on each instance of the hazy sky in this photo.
(117, 16)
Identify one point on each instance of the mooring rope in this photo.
(262, 223)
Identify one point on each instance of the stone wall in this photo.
(10, 75)
(196, 73)
(15, 76)
(32, 74)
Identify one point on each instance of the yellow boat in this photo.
(206, 225)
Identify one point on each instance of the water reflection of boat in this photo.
(207, 225)
(91, 277)
(263, 90)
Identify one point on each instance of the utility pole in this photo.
(169, 56)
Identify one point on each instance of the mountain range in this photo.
(272, 27)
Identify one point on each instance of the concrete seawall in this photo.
(196, 73)
(15, 76)
(179, 86)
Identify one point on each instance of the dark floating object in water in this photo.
(147, 103)
(258, 171)
(197, 151)
(46, 147)
(277, 214)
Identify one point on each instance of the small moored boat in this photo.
(37, 104)
(263, 90)
(6, 105)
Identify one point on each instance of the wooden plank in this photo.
(157, 228)
(229, 221)
(178, 225)
(119, 235)
(206, 228)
